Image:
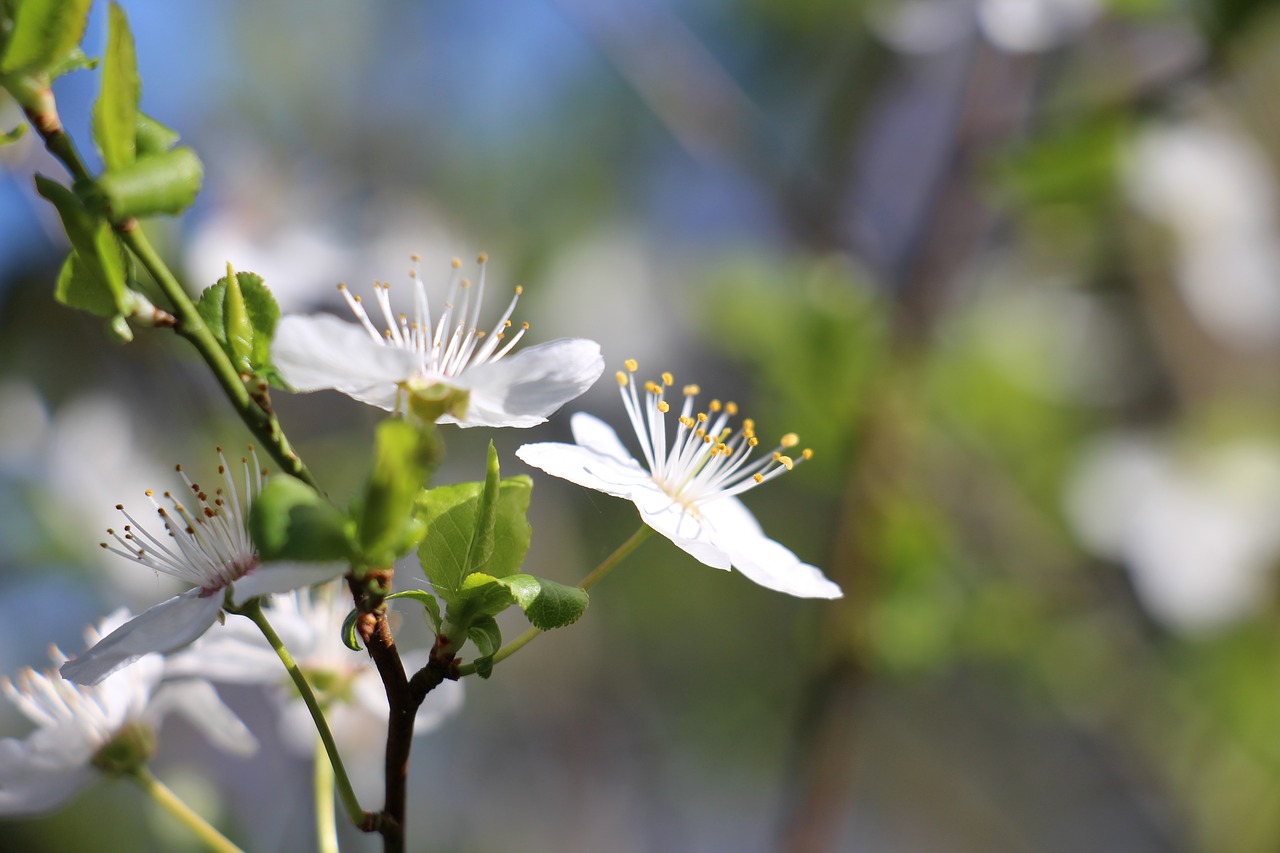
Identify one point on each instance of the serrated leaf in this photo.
(242, 319)
(450, 514)
(115, 115)
(404, 456)
(78, 288)
(484, 666)
(349, 637)
(481, 596)
(152, 137)
(547, 604)
(157, 184)
(481, 550)
(94, 241)
(428, 602)
(44, 31)
(291, 521)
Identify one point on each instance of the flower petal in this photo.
(678, 524)
(165, 627)
(585, 467)
(321, 351)
(199, 702)
(521, 390)
(773, 566)
(594, 434)
(29, 785)
(271, 578)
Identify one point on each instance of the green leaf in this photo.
(13, 136)
(242, 315)
(450, 514)
(152, 136)
(428, 602)
(79, 288)
(44, 31)
(486, 635)
(404, 456)
(481, 550)
(547, 604)
(480, 596)
(99, 249)
(115, 115)
(291, 521)
(349, 637)
(157, 184)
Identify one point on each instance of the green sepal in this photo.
(241, 314)
(13, 136)
(115, 115)
(432, 402)
(157, 184)
(404, 457)
(291, 521)
(428, 602)
(44, 32)
(100, 253)
(451, 514)
(350, 638)
(152, 137)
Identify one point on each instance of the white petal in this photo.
(199, 702)
(585, 467)
(728, 518)
(169, 625)
(30, 786)
(322, 351)
(521, 390)
(680, 526)
(594, 434)
(774, 566)
(271, 578)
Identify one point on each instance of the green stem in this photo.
(253, 610)
(260, 422)
(597, 574)
(326, 818)
(171, 803)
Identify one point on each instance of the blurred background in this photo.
(1010, 268)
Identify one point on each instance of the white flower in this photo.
(377, 368)
(346, 682)
(84, 731)
(687, 492)
(209, 548)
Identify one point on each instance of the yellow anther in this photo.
(524, 326)
(691, 390)
(687, 422)
(752, 441)
(653, 387)
(519, 289)
(721, 448)
(706, 439)
(149, 494)
(622, 379)
(631, 364)
(759, 478)
(415, 257)
(785, 461)
(341, 286)
(466, 282)
(715, 406)
(457, 263)
(748, 425)
(725, 433)
(663, 406)
(731, 407)
(668, 379)
(702, 417)
(506, 324)
(806, 453)
(482, 258)
(358, 299)
(789, 440)
(702, 433)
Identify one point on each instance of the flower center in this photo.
(708, 457)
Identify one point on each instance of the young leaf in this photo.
(428, 602)
(481, 549)
(96, 244)
(158, 184)
(404, 456)
(79, 288)
(349, 637)
(44, 31)
(115, 115)
(486, 635)
(242, 318)
(290, 521)
(450, 514)
(152, 136)
(547, 604)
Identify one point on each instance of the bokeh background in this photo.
(1010, 267)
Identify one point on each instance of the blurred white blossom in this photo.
(1195, 527)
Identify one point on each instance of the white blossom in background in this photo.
(75, 724)
(1194, 527)
(1212, 186)
(346, 682)
(687, 491)
(206, 545)
(380, 363)
(1029, 26)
